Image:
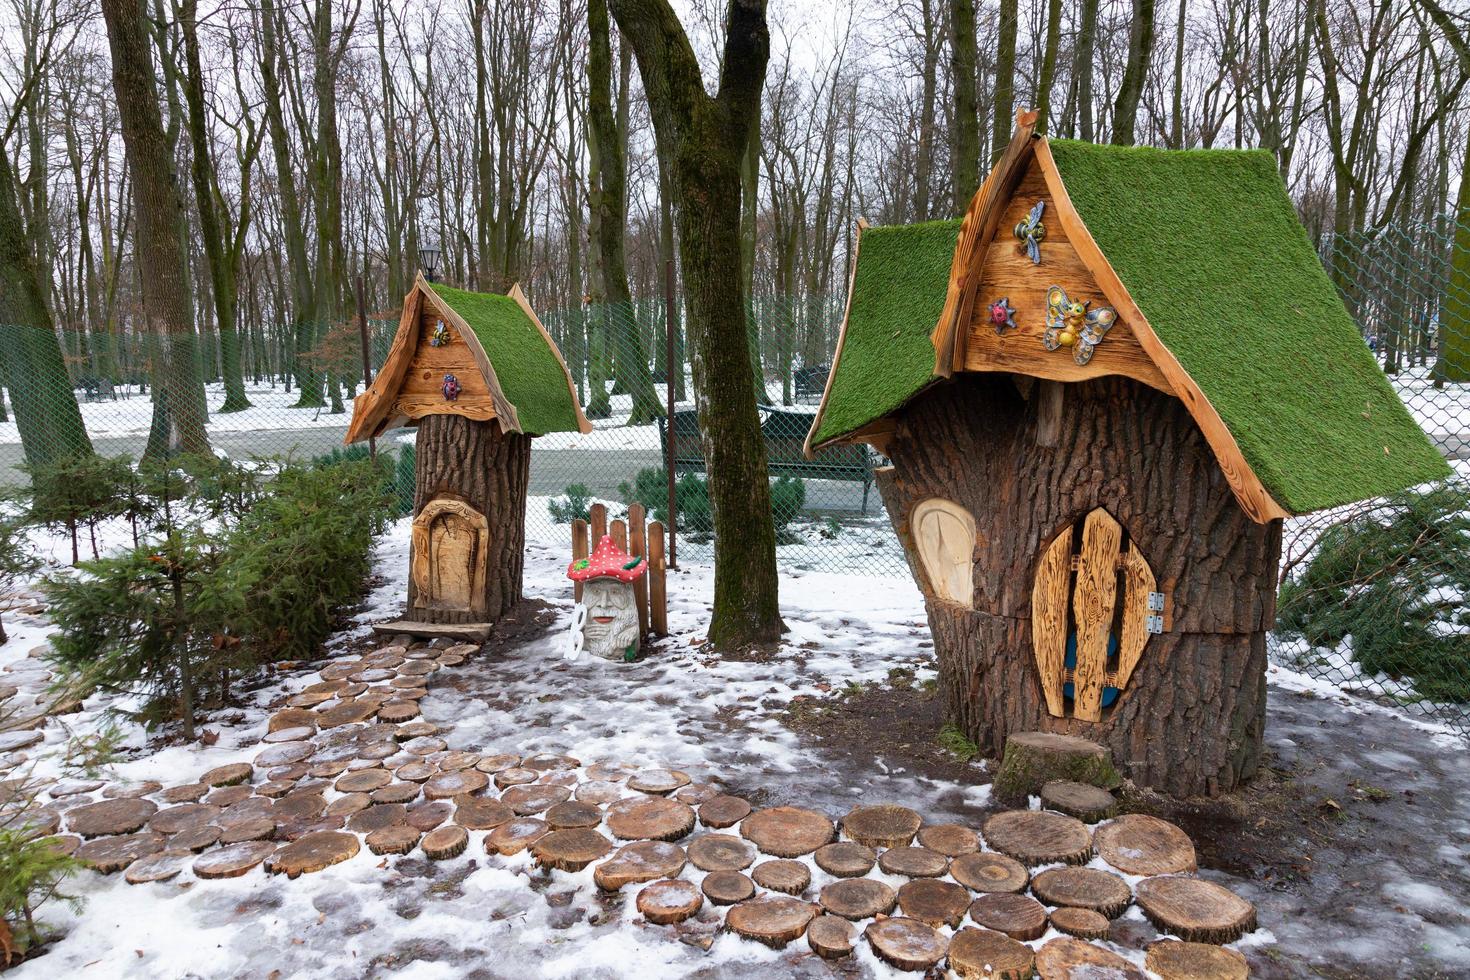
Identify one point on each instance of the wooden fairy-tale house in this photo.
(1100, 393)
(479, 376)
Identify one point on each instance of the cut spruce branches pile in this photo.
(348, 771)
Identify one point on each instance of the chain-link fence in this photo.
(1373, 596)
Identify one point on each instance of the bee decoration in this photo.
(1070, 323)
(1002, 316)
(451, 388)
(440, 336)
(1031, 232)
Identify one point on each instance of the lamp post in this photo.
(428, 260)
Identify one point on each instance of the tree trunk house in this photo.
(1100, 393)
(479, 377)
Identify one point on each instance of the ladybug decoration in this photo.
(451, 388)
(1002, 316)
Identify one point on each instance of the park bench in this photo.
(810, 382)
(784, 433)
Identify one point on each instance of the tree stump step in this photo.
(1018, 916)
(787, 831)
(1084, 888)
(570, 850)
(533, 798)
(727, 887)
(251, 828)
(110, 817)
(109, 855)
(398, 838)
(913, 862)
(1087, 803)
(858, 898)
(446, 785)
(1195, 910)
(154, 867)
(193, 841)
(313, 852)
(492, 764)
(988, 871)
(1174, 960)
(428, 814)
(1033, 759)
(845, 859)
(906, 944)
(397, 792)
(788, 877)
(570, 814)
(1082, 923)
(598, 792)
(363, 781)
(516, 835)
(377, 817)
(232, 861)
(938, 903)
(949, 839)
(982, 954)
(1073, 959)
(659, 782)
(774, 920)
(641, 861)
(284, 754)
(719, 812)
(885, 825)
(184, 816)
(649, 818)
(721, 852)
(448, 841)
(1039, 837)
(830, 937)
(669, 900)
(1138, 844)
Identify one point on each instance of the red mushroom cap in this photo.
(607, 561)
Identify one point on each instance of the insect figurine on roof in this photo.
(1070, 323)
(1031, 232)
(440, 336)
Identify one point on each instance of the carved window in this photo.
(944, 535)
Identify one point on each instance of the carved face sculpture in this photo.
(612, 618)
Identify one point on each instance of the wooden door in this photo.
(450, 547)
(944, 536)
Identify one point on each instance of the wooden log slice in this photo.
(858, 898)
(567, 779)
(417, 668)
(398, 838)
(649, 818)
(913, 862)
(289, 773)
(988, 871)
(232, 861)
(938, 903)
(284, 754)
(599, 792)
(696, 793)
(274, 789)
(638, 862)
(296, 805)
(1138, 844)
(253, 828)
(1195, 910)
(313, 852)
(790, 877)
(1174, 960)
(74, 787)
(1083, 888)
(1082, 923)
(154, 867)
(727, 887)
(328, 769)
(886, 825)
(185, 794)
(310, 699)
(491, 764)
(399, 709)
(192, 841)
(950, 839)
(377, 751)
(515, 836)
(109, 855)
(424, 745)
(447, 785)
(546, 762)
(830, 937)
(415, 729)
(1073, 959)
(292, 718)
(294, 830)
(429, 814)
(404, 792)
(570, 850)
(668, 901)
(347, 713)
(481, 813)
(1018, 916)
(534, 798)
(1087, 803)
(787, 831)
(774, 920)
(721, 852)
(612, 772)
(1039, 837)
(515, 777)
(906, 944)
(719, 812)
(659, 782)
(185, 816)
(448, 841)
(363, 781)
(377, 817)
(452, 761)
(110, 817)
(1033, 759)
(845, 859)
(415, 772)
(338, 671)
(228, 796)
(292, 733)
(981, 954)
(371, 675)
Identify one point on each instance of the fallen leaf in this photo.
(209, 737)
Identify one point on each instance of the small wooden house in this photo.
(479, 376)
(1100, 393)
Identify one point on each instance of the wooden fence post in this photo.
(638, 548)
(579, 550)
(658, 600)
(598, 515)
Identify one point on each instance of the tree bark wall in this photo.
(1191, 719)
(479, 464)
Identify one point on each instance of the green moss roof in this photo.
(1209, 246)
(529, 371)
(897, 295)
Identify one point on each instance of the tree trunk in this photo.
(1454, 331)
(476, 463)
(1048, 64)
(1135, 73)
(178, 392)
(1005, 80)
(1191, 718)
(966, 166)
(702, 140)
(1082, 67)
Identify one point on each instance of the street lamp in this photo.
(428, 259)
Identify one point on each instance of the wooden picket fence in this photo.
(641, 540)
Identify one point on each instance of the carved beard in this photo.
(609, 598)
